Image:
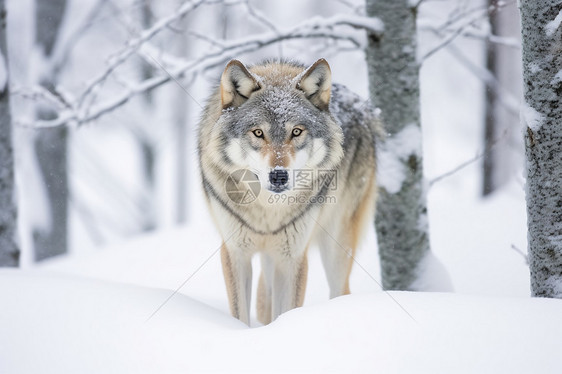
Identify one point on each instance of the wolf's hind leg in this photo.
(339, 241)
(237, 269)
(336, 253)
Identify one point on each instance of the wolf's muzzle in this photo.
(278, 178)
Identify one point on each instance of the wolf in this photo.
(262, 129)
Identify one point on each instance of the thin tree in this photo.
(9, 250)
(503, 63)
(542, 117)
(401, 218)
(146, 143)
(51, 145)
(181, 107)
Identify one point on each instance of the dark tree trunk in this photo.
(9, 249)
(489, 183)
(51, 144)
(52, 153)
(500, 159)
(147, 148)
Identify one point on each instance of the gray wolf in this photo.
(266, 126)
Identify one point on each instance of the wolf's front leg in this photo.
(237, 269)
(289, 284)
(265, 288)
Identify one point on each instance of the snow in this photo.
(432, 275)
(553, 25)
(532, 119)
(393, 154)
(534, 67)
(70, 324)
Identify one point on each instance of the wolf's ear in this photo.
(237, 84)
(316, 83)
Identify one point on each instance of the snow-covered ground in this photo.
(157, 303)
(61, 324)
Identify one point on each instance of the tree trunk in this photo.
(489, 183)
(181, 106)
(542, 118)
(504, 63)
(51, 144)
(147, 148)
(401, 218)
(148, 164)
(9, 250)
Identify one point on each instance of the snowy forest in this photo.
(110, 260)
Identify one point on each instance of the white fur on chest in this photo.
(259, 229)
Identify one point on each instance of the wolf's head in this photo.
(276, 120)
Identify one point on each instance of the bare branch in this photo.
(37, 93)
(454, 34)
(506, 98)
(476, 14)
(520, 252)
(134, 44)
(176, 68)
(469, 162)
(445, 42)
(205, 38)
(474, 34)
(260, 18)
(457, 168)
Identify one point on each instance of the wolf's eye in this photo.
(258, 133)
(296, 131)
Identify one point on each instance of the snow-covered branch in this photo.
(505, 41)
(39, 93)
(453, 34)
(463, 24)
(82, 111)
(134, 44)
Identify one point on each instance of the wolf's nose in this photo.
(278, 178)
